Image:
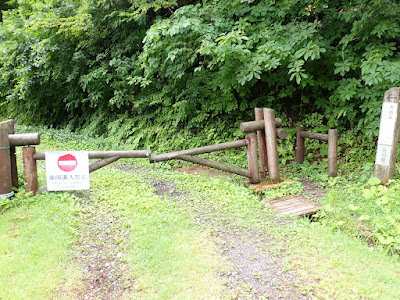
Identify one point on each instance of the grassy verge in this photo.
(35, 241)
(342, 267)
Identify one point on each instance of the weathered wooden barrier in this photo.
(8, 163)
(266, 127)
(331, 138)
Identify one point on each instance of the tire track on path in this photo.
(99, 251)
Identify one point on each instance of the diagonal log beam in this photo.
(215, 165)
(102, 163)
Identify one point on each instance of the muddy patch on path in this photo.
(99, 252)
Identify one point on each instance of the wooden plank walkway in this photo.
(293, 206)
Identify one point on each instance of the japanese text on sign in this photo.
(388, 120)
(66, 171)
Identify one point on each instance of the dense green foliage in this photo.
(141, 70)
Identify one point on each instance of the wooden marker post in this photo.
(332, 152)
(5, 163)
(388, 140)
(272, 145)
(262, 146)
(252, 158)
(30, 169)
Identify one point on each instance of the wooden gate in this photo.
(264, 131)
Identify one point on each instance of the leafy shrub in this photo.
(366, 210)
(142, 70)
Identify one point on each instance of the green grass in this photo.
(35, 241)
(342, 267)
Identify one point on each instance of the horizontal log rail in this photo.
(253, 126)
(199, 150)
(315, 136)
(215, 165)
(24, 139)
(107, 154)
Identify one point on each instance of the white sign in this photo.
(388, 120)
(383, 154)
(67, 171)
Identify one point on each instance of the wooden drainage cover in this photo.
(293, 206)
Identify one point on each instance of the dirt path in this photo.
(255, 273)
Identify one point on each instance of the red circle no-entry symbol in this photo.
(67, 163)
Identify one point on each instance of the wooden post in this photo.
(13, 157)
(300, 145)
(388, 140)
(272, 145)
(252, 158)
(30, 169)
(262, 146)
(332, 152)
(5, 163)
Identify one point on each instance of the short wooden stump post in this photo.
(332, 152)
(5, 161)
(300, 145)
(30, 169)
(13, 157)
